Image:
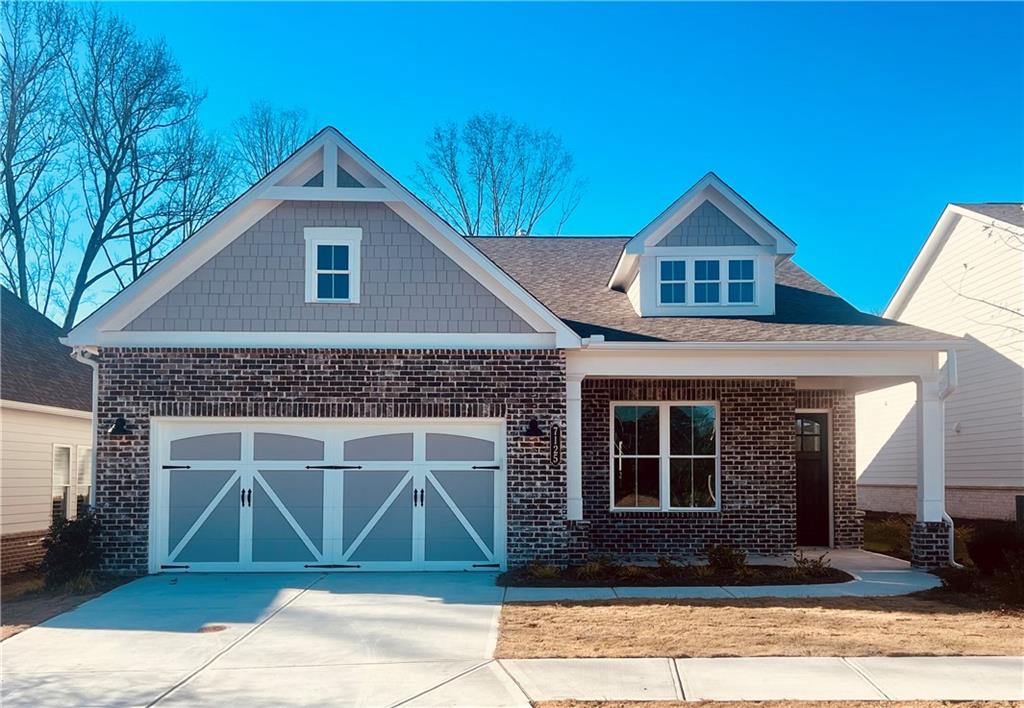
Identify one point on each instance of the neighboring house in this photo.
(968, 280)
(327, 376)
(45, 432)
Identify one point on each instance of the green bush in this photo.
(993, 547)
(726, 559)
(543, 571)
(71, 550)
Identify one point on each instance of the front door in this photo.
(812, 498)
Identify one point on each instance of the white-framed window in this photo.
(332, 263)
(83, 479)
(671, 281)
(665, 456)
(61, 465)
(741, 281)
(707, 281)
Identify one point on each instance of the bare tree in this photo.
(495, 175)
(35, 136)
(146, 177)
(264, 137)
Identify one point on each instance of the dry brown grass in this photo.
(773, 704)
(25, 602)
(844, 626)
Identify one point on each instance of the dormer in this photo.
(710, 254)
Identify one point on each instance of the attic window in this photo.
(332, 264)
(707, 286)
(741, 281)
(672, 284)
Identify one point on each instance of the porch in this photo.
(767, 459)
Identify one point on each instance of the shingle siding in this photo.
(257, 282)
(707, 226)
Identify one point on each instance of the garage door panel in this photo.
(472, 492)
(212, 446)
(446, 537)
(288, 516)
(191, 492)
(273, 537)
(456, 448)
(389, 447)
(217, 537)
(388, 536)
(281, 446)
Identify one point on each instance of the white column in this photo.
(931, 451)
(574, 446)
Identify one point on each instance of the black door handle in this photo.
(422, 494)
(243, 497)
(414, 496)
(250, 496)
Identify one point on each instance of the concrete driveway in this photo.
(267, 640)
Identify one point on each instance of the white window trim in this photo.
(664, 456)
(350, 236)
(752, 280)
(685, 281)
(69, 511)
(717, 281)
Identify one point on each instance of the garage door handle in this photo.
(243, 497)
(249, 495)
(334, 467)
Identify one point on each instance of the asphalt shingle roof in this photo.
(1010, 212)
(570, 277)
(34, 366)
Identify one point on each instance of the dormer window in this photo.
(332, 264)
(707, 282)
(672, 289)
(741, 281)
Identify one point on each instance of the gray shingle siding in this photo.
(707, 226)
(257, 283)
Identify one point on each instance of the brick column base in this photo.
(577, 541)
(929, 544)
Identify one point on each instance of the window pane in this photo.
(636, 482)
(340, 287)
(703, 430)
(666, 293)
(673, 293)
(648, 484)
(680, 482)
(741, 270)
(680, 431)
(214, 446)
(624, 481)
(324, 289)
(84, 467)
(706, 292)
(673, 270)
(61, 466)
(705, 270)
(704, 492)
(741, 292)
(323, 257)
(636, 430)
(811, 427)
(340, 257)
(666, 270)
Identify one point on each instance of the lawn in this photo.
(25, 602)
(932, 623)
(772, 704)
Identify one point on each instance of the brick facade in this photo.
(929, 544)
(21, 551)
(322, 383)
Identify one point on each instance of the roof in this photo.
(1010, 212)
(569, 275)
(37, 368)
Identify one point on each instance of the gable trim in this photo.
(262, 198)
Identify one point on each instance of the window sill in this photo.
(658, 510)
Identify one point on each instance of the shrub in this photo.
(963, 580)
(811, 567)
(634, 572)
(1010, 581)
(589, 571)
(893, 534)
(992, 547)
(543, 571)
(71, 550)
(725, 559)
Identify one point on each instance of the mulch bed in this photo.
(674, 576)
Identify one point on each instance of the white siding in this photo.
(26, 455)
(985, 416)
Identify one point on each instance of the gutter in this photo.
(952, 381)
(597, 341)
(86, 355)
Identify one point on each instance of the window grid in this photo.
(716, 282)
(741, 281)
(671, 282)
(61, 476)
(333, 275)
(707, 282)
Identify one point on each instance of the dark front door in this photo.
(812, 505)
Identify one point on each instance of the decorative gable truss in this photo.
(709, 254)
(332, 208)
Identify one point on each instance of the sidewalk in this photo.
(516, 682)
(874, 575)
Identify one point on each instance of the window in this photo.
(664, 456)
(83, 479)
(706, 282)
(672, 285)
(741, 281)
(61, 481)
(332, 264)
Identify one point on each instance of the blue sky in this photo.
(849, 125)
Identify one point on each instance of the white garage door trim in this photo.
(363, 527)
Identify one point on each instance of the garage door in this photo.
(310, 495)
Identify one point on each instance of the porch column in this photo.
(574, 446)
(929, 539)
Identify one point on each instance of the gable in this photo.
(707, 226)
(344, 179)
(257, 282)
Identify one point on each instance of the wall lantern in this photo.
(120, 427)
(533, 429)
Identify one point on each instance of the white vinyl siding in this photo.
(26, 461)
(985, 416)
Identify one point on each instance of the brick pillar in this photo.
(929, 544)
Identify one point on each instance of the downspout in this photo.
(952, 381)
(84, 355)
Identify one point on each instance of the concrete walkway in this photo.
(874, 575)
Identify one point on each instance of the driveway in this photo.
(268, 640)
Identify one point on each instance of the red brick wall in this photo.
(847, 520)
(758, 469)
(21, 551)
(517, 385)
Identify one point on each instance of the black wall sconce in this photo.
(119, 428)
(533, 429)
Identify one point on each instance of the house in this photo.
(45, 432)
(327, 376)
(968, 281)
